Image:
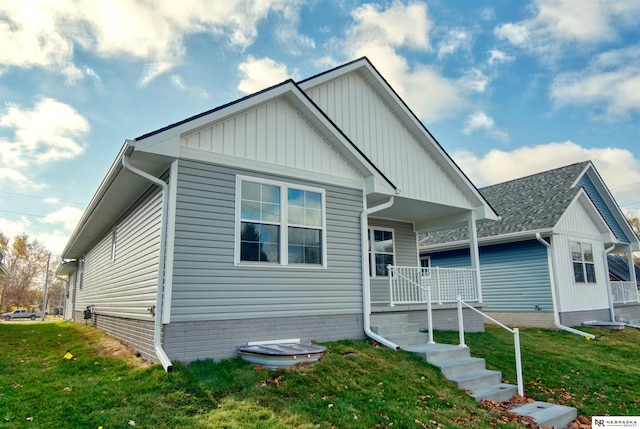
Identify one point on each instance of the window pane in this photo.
(576, 252)
(296, 236)
(251, 191)
(305, 246)
(587, 251)
(383, 241)
(312, 255)
(250, 210)
(314, 217)
(296, 216)
(271, 194)
(259, 242)
(578, 273)
(296, 197)
(381, 264)
(270, 212)
(313, 200)
(296, 254)
(591, 272)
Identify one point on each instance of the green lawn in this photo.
(356, 385)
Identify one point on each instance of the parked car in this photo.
(20, 314)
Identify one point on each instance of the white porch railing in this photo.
(416, 285)
(409, 285)
(514, 331)
(624, 292)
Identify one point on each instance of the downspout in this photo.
(612, 311)
(157, 333)
(366, 286)
(552, 276)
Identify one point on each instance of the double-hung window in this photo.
(280, 223)
(584, 270)
(381, 251)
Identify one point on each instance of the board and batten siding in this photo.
(577, 225)
(125, 286)
(514, 276)
(207, 285)
(405, 254)
(273, 133)
(367, 120)
(574, 296)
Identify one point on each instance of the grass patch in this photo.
(356, 385)
(598, 377)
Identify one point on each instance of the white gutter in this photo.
(552, 276)
(612, 312)
(157, 334)
(366, 287)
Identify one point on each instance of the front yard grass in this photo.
(356, 385)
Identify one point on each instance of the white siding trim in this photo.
(171, 235)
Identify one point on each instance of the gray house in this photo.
(544, 263)
(272, 217)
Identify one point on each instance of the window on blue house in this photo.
(584, 270)
(280, 223)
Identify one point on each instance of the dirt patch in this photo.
(110, 346)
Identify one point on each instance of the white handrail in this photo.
(514, 331)
(393, 272)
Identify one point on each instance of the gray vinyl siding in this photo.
(514, 276)
(125, 287)
(207, 285)
(406, 254)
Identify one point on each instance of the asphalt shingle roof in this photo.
(526, 204)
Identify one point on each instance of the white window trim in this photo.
(425, 258)
(583, 263)
(284, 224)
(372, 253)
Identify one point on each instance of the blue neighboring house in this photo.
(544, 262)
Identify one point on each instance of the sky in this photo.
(508, 88)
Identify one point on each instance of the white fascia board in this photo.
(115, 168)
(611, 203)
(413, 124)
(487, 241)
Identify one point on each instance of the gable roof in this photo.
(367, 71)
(536, 203)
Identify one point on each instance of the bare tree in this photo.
(26, 261)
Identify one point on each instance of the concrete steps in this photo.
(547, 415)
(468, 373)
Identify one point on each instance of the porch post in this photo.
(632, 270)
(474, 253)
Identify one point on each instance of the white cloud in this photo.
(42, 33)
(178, 82)
(67, 216)
(454, 40)
(14, 179)
(497, 56)
(612, 82)
(51, 131)
(260, 73)
(561, 24)
(619, 169)
(379, 33)
(479, 121)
